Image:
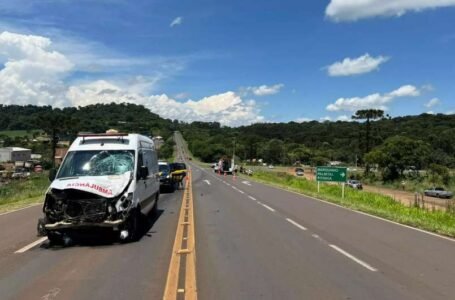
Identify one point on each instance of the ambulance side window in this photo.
(140, 162)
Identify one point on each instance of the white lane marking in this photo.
(12, 211)
(317, 237)
(52, 294)
(246, 183)
(252, 198)
(207, 181)
(228, 184)
(363, 213)
(241, 192)
(296, 224)
(268, 207)
(30, 246)
(352, 257)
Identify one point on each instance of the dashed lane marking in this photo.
(31, 245)
(352, 257)
(252, 198)
(268, 207)
(296, 224)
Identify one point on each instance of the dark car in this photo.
(166, 180)
(355, 184)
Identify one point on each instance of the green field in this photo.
(19, 133)
(375, 204)
(20, 193)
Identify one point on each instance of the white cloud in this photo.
(377, 101)
(265, 90)
(405, 91)
(34, 73)
(433, 102)
(325, 119)
(430, 112)
(356, 66)
(344, 118)
(227, 108)
(176, 21)
(303, 120)
(353, 10)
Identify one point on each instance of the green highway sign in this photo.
(331, 174)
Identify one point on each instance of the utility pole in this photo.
(233, 159)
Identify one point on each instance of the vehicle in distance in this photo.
(299, 171)
(178, 172)
(166, 180)
(105, 180)
(438, 192)
(225, 165)
(355, 184)
(271, 167)
(246, 171)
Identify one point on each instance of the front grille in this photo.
(86, 210)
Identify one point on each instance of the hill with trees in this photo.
(371, 138)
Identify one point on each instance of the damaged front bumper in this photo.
(74, 209)
(66, 225)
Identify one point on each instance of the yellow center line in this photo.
(172, 289)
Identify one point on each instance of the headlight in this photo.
(124, 202)
(168, 176)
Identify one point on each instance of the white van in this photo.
(105, 180)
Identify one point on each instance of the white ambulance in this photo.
(105, 180)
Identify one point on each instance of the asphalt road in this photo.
(256, 241)
(252, 242)
(92, 269)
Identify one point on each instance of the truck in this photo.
(105, 181)
(225, 166)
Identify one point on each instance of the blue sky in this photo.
(233, 61)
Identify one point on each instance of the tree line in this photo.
(371, 138)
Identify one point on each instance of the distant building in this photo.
(14, 154)
(59, 155)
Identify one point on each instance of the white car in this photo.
(105, 180)
(271, 167)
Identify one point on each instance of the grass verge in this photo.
(375, 204)
(21, 193)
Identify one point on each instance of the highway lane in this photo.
(256, 241)
(253, 241)
(18, 228)
(95, 268)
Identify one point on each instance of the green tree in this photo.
(438, 174)
(53, 123)
(368, 115)
(397, 153)
(273, 152)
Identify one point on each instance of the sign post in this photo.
(331, 174)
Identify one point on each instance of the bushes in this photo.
(23, 192)
(375, 204)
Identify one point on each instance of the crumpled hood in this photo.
(104, 186)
